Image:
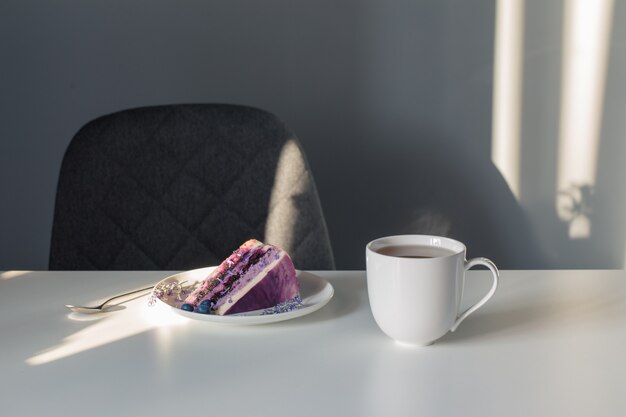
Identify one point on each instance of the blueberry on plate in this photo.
(204, 307)
(187, 307)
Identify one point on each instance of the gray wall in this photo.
(391, 100)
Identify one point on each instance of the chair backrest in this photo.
(181, 186)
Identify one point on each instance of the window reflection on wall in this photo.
(586, 27)
(586, 30)
(507, 91)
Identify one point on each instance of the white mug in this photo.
(415, 285)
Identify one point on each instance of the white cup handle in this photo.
(496, 276)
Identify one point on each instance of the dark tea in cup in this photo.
(414, 251)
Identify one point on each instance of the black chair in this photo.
(181, 186)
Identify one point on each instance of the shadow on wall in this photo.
(435, 188)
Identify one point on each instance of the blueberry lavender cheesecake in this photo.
(255, 276)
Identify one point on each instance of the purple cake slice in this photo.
(254, 277)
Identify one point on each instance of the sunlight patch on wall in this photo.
(507, 90)
(586, 31)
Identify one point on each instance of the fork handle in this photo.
(126, 293)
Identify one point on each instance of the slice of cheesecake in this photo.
(254, 277)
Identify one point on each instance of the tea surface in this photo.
(414, 251)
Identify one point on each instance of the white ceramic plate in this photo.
(315, 292)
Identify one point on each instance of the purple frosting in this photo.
(232, 276)
(279, 285)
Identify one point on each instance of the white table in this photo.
(550, 343)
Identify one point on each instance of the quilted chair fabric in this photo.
(181, 186)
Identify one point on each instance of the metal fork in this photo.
(101, 307)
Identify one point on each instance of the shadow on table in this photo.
(538, 318)
(516, 320)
